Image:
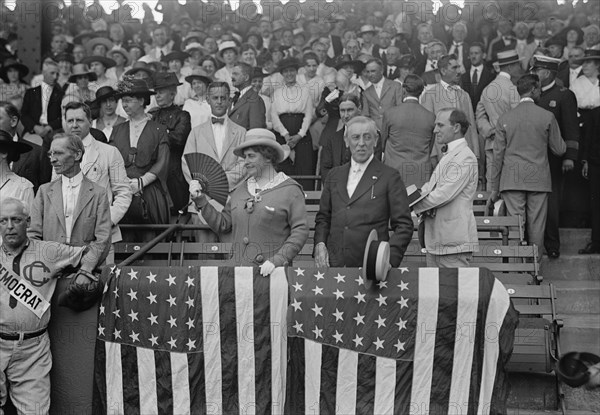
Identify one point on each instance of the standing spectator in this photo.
(358, 197)
(381, 95)
(266, 215)
(540, 33)
(178, 127)
(367, 33)
(478, 76)
(352, 48)
(392, 71)
(144, 146)
(458, 46)
(419, 48)
(406, 66)
(505, 41)
(447, 210)
(102, 164)
(228, 51)
(523, 136)
(574, 38)
(247, 108)
(291, 121)
(525, 45)
(591, 37)
(335, 150)
(29, 165)
(309, 78)
(384, 42)
(325, 72)
(561, 102)
(197, 106)
(568, 75)
(13, 73)
(175, 61)
(435, 50)
(498, 97)
(407, 135)
(25, 355)
(161, 44)
(447, 94)
(12, 185)
(587, 92)
(209, 65)
(105, 99)
(555, 47)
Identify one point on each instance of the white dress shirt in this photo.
(70, 191)
(391, 69)
(378, 87)
(46, 93)
(219, 134)
(356, 173)
(574, 74)
(431, 65)
(479, 69)
(586, 92)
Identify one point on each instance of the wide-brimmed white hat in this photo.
(262, 137)
(228, 44)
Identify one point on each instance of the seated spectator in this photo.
(99, 64)
(122, 60)
(106, 101)
(266, 214)
(13, 73)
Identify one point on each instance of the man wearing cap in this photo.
(447, 208)
(562, 103)
(247, 108)
(358, 197)
(28, 283)
(520, 170)
(12, 185)
(178, 126)
(102, 164)
(407, 135)
(367, 33)
(497, 98)
(381, 95)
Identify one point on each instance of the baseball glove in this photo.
(80, 297)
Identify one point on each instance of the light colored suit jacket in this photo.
(523, 136)
(451, 227)
(407, 136)
(91, 219)
(374, 106)
(105, 167)
(202, 140)
(435, 97)
(498, 97)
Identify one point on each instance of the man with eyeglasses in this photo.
(27, 281)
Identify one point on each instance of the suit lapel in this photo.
(367, 181)
(92, 156)
(342, 182)
(210, 138)
(384, 88)
(230, 137)
(85, 195)
(56, 201)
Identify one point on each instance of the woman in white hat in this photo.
(228, 52)
(122, 60)
(266, 213)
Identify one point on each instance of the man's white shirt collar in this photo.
(354, 165)
(454, 144)
(526, 99)
(243, 91)
(73, 181)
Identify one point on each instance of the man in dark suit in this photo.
(30, 164)
(407, 135)
(478, 76)
(358, 197)
(574, 70)
(247, 107)
(419, 48)
(392, 70)
(562, 103)
(458, 46)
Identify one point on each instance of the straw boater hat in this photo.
(15, 64)
(200, 74)
(228, 44)
(507, 57)
(8, 145)
(92, 43)
(121, 52)
(262, 137)
(590, 55)
(165, 80)
(376, 259)
(107, 62)
(81, 69)
(104, 93)
(367, 29)
(195, 46)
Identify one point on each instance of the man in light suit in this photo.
(382, 93)
(447, 94)
(450, 228)
(247, 107)
(358, 197)
(102, 164)
(497, 98)
(216, 138)
(407, 135)
(521, 171)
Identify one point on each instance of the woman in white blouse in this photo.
(12, 185)
(587, 91)
(197, 105)
(291, 114)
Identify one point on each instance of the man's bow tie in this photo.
(216, 120)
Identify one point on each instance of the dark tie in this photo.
(474, 81)
(391, 73)
(162, 55)
(236, 96)
(216, 120)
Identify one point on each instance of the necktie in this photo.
(236, 96)
(433, 65)
(391, 72)
(216, 120)
(162, 55)
(474, 80)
